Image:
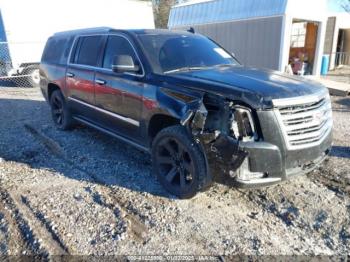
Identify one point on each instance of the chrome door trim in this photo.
(145, 149)
(125, 119)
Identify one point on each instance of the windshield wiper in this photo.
(224, 65)
(186, 68)
(192, 68)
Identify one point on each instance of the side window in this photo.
(117, 45)
(54, 50)
(87, 50)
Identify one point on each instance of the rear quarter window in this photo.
(57, 50)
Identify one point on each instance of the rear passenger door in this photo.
(80, 74)
(119, 95)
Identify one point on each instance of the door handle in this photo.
(100, 82)
(69, 74)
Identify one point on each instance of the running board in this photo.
(132, 143)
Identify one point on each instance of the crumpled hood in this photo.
(264, 84)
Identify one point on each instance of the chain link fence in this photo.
(19, 64)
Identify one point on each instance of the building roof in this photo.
(215, 11)
(223, 10)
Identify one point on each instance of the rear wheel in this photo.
(179, 163)
(60, 112)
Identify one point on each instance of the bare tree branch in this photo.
(345, 4)
(161, 9)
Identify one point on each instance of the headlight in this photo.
(242, 124)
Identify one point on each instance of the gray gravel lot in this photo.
(82, 192)
(341, 74)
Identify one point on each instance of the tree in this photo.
(161, 10)
(345, 4)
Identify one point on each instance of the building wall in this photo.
(347, 41)
(218, 11)
(342, 21)
(255, 42)
(311, 10)
(209, 15)
(328, 43)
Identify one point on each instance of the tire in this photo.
(179, 163)
(32, 78)
(61, 115)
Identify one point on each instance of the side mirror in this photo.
(123, 64)
(233, 54)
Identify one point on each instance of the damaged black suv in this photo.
(188, 102)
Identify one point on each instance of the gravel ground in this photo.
(341, 74)
(81, 192)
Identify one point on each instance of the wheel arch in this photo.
(158, 122)
(51, 87)
(174, 107)
(161, 121)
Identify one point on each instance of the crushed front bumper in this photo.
(274, 161)
(268, 160)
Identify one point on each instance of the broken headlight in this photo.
(242, 124)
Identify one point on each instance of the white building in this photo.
(262, 33)
(337, 43)
(28, 24)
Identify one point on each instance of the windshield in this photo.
(169, 53)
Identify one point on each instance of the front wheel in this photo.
(179, 163)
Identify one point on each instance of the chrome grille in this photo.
(305, 121)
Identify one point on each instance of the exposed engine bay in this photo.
(220, 125)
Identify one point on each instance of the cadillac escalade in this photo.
(189, 103)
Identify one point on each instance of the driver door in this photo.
(119, 95)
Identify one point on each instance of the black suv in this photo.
(188, 102)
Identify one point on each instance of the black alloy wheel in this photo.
(60, 113)
(175, 163)
(178, 162)
(57, 110)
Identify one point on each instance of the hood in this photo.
(262, 86)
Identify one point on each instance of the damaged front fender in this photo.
(228, 134)
(210, 124)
